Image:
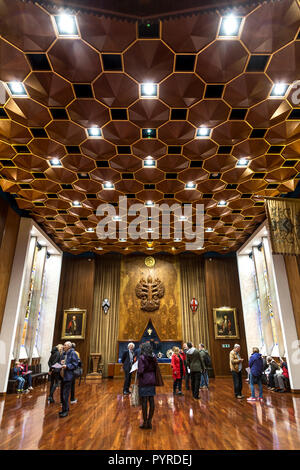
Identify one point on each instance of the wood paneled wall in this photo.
(292, 264)
(76, 290)
(223, 289)
(9, 228)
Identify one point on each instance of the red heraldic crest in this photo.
(194, 304)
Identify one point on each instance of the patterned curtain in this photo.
(104, 328)
(284, 222)
(192, 278)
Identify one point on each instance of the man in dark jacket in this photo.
(127, 361)
(195, 364)
(56, 357)
(70, 363)
(187, 371)
(256, 369)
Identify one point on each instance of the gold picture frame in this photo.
(74, 323)
(225, 323)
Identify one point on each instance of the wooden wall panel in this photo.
(292, 264)
(167, 319)
(9, 228)
(76, 290)
(223, 289)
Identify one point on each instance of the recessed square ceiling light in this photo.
(108, 185)
(94, 132)
(17, 89)
(149, 90)
(149, 204)
(203, 132)
(55, 162)
(230, 26)
(279, 90)
(222, 203)
(190, 185)
(242, 162)
(66, 25)
(149, 163)
(148, 133)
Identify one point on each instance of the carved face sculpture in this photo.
(150, 292)
(105, 305)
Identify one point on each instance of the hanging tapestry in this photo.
(284, 222)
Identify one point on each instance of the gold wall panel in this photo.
(167, 319)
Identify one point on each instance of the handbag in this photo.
(77, 372)
(158, 378)
(134, 397)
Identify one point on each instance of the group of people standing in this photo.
(192, 364)
(64, 360)
(188, 362)
(260, 371)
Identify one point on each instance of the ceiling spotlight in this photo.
(209, 229)
(182, 218)
(242, 162)
(66, 25)
(98, 248)
(76, 204)
(149, 163)
(230, 26)
(94, 132)
(190, 185)
(177, 240)
(148, 133)
(279, 90)
(203, 132)
(90, 229)
(150, 230)
(122, 240)
(108, 185)
(55, 162)
(149, 204)
(222, 203)
(116, 218)
(149, 90)
(17, 89)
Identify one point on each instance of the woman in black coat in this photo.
(56, 356)
(147, 364)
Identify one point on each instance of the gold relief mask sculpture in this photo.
(150, 292)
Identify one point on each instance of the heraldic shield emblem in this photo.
(194, 305)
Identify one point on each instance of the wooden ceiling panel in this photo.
(202, 81)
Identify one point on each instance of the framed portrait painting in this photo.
(74, 322)
(225, 321)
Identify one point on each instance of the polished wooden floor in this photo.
(104, 419)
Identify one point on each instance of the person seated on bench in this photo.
(271, 371)
(281, 378)
(27, 374)
(17, 375)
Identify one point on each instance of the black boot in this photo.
(151, 412)
(144, 411)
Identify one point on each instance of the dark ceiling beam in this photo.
(139, 10)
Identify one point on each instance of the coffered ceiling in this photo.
(203, 80)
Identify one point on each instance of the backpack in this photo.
(207, 360)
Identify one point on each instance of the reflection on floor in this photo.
(104, 419)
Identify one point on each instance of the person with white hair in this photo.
(69, 364)
(236, 364)
(128, 359)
